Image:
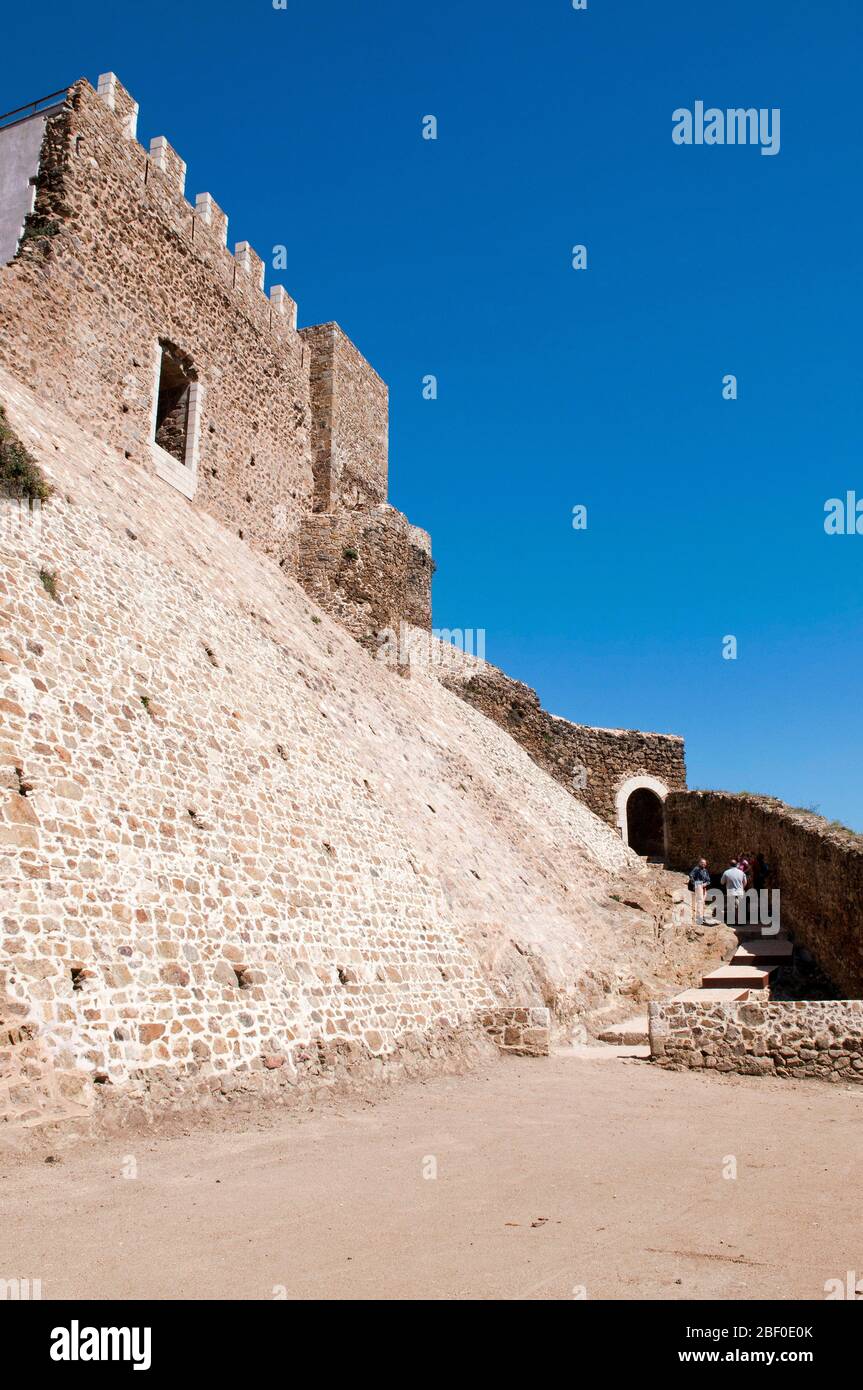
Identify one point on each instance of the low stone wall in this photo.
(38, 1100)
(592, 764)
(818, 868)
(522, 1032)
(820, 1038)
(369, 568)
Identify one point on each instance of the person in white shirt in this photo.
(734, 883)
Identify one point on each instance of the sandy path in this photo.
(623, 1161)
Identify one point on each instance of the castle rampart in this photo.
(114, 267)
(233, 845)
(370, 568)
(604, 768)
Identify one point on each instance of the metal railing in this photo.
(32, 107)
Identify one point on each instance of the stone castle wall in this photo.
(817, 1038)
(236, 852)
(199, 878)
(818, 869)
(287, 431)
(350, 423)
(370, 568)
(116, 266)
(118, 262)
(593, 764)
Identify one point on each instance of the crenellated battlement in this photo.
(212, 216)
(244, 269)
(168, 162)
(118, 100)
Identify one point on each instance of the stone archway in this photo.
(641, 815)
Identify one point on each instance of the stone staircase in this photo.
(751, 968)
(753, 964)
(764, 950)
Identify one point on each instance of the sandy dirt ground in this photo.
(553, 1176)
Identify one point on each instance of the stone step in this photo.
(738, 977)
(764, 950)
(711, 996)
(747, 933)
(602, 1053)
(60, 1114)
(632, 1033)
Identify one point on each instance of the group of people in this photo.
(745, 872)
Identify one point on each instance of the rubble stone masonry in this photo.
(350, 417)
(519, 1032)
(116, 270)
(818, 1038)
(282, 435)
(370, 568)
(593, 764)
(236, 852)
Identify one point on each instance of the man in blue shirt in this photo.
(699, 881)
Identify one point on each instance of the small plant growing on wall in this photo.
(350, 554)
(48, 580)
(38, 232)
(20, 475)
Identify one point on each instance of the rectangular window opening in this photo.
(172, 408)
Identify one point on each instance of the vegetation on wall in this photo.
(20, 475)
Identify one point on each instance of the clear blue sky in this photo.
(560, 387)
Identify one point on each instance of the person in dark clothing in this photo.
(761, 872)
(699, 882)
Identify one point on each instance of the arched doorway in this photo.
(641, 815)
(645, 822)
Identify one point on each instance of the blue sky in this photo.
(560, 387)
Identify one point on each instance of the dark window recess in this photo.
(172, 409)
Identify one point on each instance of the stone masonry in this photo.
(236, 852)
(520, 1032)
(350, 413)
(817, 1038)
(124, 304)
(370, 568)
(593, 764)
